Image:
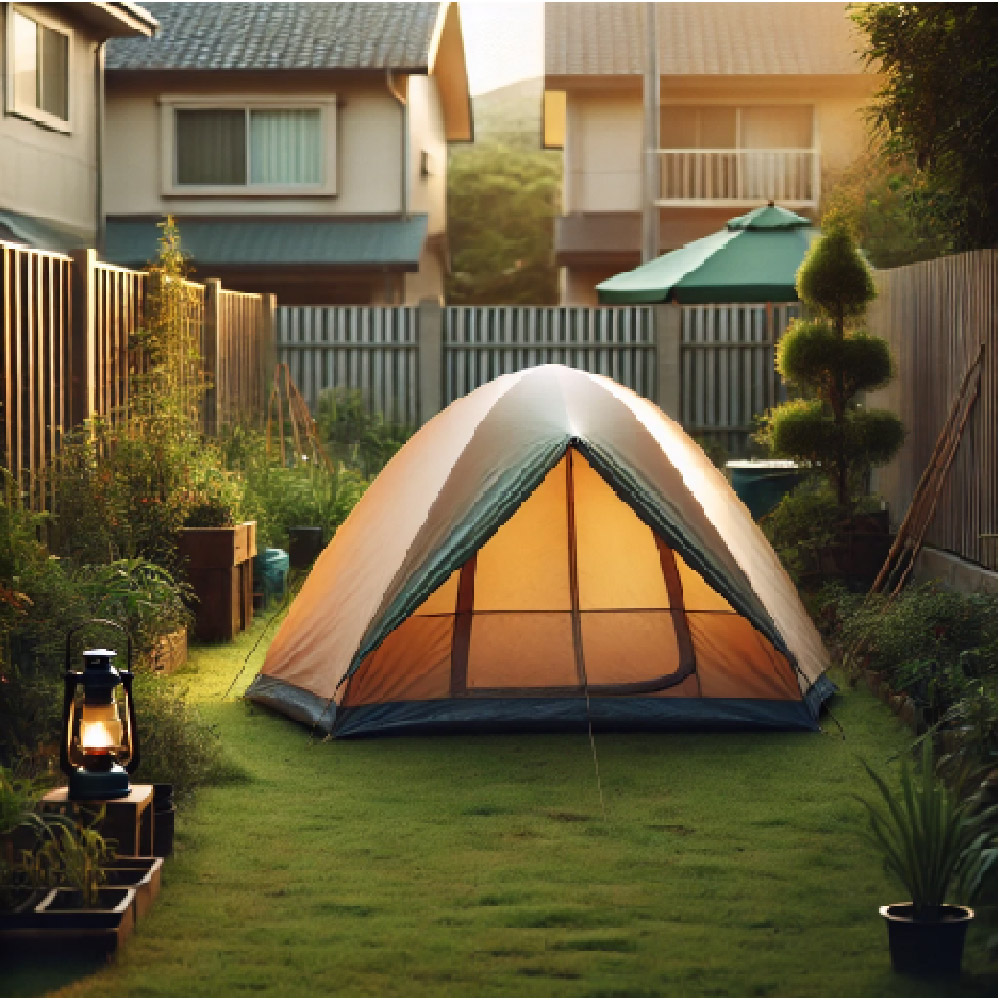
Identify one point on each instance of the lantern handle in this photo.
(103, 622)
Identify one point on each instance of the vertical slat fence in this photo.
(369, 349)
(936, 314)
(35, 395)
(483, 342)
(68, 352)
(727, 369)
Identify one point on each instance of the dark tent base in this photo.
(480, 716)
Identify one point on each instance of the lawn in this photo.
(721, 864)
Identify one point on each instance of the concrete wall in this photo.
(45, 173)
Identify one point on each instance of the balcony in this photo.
(700, 178)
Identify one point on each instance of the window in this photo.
(251, 149)
(720, 127)
(38, 73)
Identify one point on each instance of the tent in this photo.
(550, 550)
(753, 260)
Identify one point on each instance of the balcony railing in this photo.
(734, 176)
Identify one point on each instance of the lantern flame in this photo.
(100, 730)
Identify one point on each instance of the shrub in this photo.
(281, 497)
(806, 522)
(354, 435)
(175, 744)
(832, 364)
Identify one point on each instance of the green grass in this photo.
(724, 865)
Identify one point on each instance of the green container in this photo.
(761, 483)
(270, 574)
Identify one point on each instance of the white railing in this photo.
(712, 177)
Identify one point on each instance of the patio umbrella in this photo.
(753, 260)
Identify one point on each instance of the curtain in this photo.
(285, 146)
(211, 146)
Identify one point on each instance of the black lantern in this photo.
(100, 745)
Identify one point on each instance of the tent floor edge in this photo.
(299, 704)
(545, 714)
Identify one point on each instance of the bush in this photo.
(175, 744)
(807, 521)
(354, 435)
(281, 497)
(928, 642)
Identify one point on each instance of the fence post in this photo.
(430, 317)
(210, 355)
(266, 348)
(667, 330)
(83, 351)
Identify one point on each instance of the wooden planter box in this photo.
(220, 569)
(170, 652)
(142, 873)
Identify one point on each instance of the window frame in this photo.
(170, 104)
(32, 112)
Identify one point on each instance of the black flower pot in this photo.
(930, 949)
(305, 543)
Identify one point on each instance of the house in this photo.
(51, 151)
(301, 147)
(758, 101)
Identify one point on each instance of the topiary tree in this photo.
(830, 363)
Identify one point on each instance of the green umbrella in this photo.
(753, 260)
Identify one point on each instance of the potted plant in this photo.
(831, 360)
(76, 857)
(937, 844)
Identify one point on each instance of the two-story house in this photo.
(51, 122)
(758, 101)
(301, 147)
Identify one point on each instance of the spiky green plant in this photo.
(935, 842)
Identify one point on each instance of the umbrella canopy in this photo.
(753, 260)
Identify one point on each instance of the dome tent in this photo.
(548, 550)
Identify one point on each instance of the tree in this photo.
(938, 109)
(501, 206)
(832, 363)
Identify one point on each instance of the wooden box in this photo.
(220, 570)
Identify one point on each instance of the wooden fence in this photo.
(936, 314)
(68, 352)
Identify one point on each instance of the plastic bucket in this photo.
(270, 573)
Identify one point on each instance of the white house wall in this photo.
(603, 155)
(369, 168)
(48, 174)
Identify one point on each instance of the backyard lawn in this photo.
(722, 865)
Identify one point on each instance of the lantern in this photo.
(99, 745)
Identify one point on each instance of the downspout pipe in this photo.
(404, 144)
(99, 197)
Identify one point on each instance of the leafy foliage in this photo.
(933, 841)
(281, 497)
(510, 260)
(176, 744)
(879, 196)
(75, 856)
(356, 436)
(938, 109)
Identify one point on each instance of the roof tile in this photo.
(281, 36)
(607, 39)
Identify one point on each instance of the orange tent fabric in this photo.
(548, 550)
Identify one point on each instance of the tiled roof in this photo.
(281, 36)
(602, 39)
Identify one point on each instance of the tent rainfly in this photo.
(549, 550)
